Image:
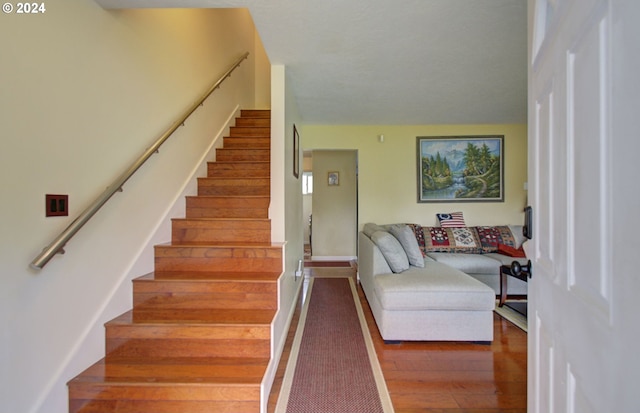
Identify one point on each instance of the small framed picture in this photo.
(333, 178)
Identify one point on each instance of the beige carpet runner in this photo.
(333, 367)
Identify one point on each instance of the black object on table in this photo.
(516, 270)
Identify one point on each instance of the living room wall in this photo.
(387, 171)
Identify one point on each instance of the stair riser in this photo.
(180, 332)
(194, 286)
(195, 258)
(239, 169)
(195, 392)
(213, 301)
(241, 131)
(172, 347)
(249, 143)
(255, 113)
(122, 405)
(209, 187)
(243, 155)
(226, 213)
(208, 231)
(224, 207)
(252, 122)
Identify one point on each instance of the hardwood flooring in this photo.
(440, 377)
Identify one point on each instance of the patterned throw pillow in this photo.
(419, 233)
(490, 237)
(464, 237)
(460, 240)
(451, 220)
(439, 237)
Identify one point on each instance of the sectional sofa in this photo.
(432, 283)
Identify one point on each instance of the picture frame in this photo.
(460, 168)
(296, 152)
(333, 178)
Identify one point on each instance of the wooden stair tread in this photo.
(238, 219)
(176, 350)
(235, 178)
(239, 277)
(236, 245)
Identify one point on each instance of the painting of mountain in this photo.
(460, 168)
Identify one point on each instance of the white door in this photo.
(584, 166)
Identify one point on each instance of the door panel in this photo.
(575, 335)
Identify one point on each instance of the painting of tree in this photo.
(460, 168)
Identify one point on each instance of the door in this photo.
(583, 169)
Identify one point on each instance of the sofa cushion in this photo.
(392, 251)
(468, 263)
(407, 239)
(434, 287)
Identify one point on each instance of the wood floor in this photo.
(441, 377)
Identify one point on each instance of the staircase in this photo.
(198, 338)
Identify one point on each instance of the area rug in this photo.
(512, 315)
(333, 366)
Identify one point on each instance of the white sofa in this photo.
(432, 297)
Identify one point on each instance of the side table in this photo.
(523, 273)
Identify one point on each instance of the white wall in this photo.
(83, 92)
(285, 210)
(387, 174)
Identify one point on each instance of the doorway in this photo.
(330, 209)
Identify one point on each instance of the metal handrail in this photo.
(58, 244)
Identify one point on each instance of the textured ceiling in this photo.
(393, 62)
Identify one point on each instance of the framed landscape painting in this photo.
(460, 168)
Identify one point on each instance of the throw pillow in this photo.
(407, 239)
(391, 250)
(490, 237)
(369, 228)
(451, 220)
(465, 237)
(511, 251)
(419, 234)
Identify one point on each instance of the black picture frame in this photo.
(296, 152)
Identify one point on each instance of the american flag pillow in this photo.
(451, 220)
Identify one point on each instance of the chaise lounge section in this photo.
(436, 302)
(426, 298)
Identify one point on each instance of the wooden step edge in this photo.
(240, 245)
(185, 361)
(239, 220)
(243, 149)
(237, 197)
(258, 162)
(164, 377)
(255, 113)
(127, 319)
(239, 277)
(236, 178)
